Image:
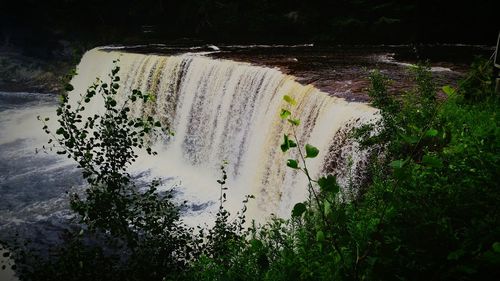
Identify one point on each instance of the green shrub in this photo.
(430, 211)
(124, 233)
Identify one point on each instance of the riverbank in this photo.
(24, 73)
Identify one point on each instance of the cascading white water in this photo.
(225, 110)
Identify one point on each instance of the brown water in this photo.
(342, 71)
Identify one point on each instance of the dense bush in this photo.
(429, 213)
(125, 231)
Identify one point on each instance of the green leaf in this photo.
(387, 196)
(62, 99)
(68, 87)
(327, 208)
(311, 151)
(320, 236)
(292, 164)
(289, 100)
(496, 247)
(115, 70)
(60, 131)
(294, 122)
(256, 243)
(432, 161)
(284, 113)
(329, 184)
(449, 91)
(287, 143)
(455, 255)
(285, 146)
(410, 139)
(397, 164)
(298, 210)
(431, 133)
(112, 102)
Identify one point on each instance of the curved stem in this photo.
(311, 191)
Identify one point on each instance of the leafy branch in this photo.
(328, 184)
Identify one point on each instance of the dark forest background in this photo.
(40, 26)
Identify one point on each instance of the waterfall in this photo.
(225, 110)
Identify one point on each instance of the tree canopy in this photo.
(28, 22)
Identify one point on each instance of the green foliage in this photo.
(298, 209)
(430, 211)
(287, 143)
(284, 114)
(292, 163)
(311, 151)
(104, 146)
(329, 184)
(289, 100)
(435, 205)
(479, 84)
(224, 247)
(125, 225)
(262, 21)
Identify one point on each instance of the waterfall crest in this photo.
(226, 110)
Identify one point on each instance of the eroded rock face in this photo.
(348, 161)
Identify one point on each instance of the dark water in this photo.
(33, 186)
(35, 183)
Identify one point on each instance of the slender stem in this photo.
(305, 170)
(311, 191)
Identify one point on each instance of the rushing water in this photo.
(222, 110)
(33, 186)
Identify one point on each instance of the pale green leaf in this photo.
(289, 100)
(294, 122)
(284, 113)
(449, 91)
